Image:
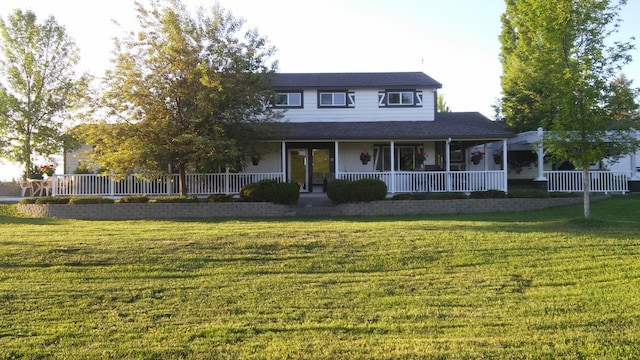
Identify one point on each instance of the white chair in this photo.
(24, 186)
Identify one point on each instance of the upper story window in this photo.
(289, 99)
(336, 99)
(400, 98)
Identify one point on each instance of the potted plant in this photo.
(476, 157)
(497, 158)
(421, 156)
(365, 157)
(48, 169)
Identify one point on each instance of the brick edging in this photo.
(261, 209)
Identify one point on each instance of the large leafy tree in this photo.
(187, 92)
(559, 72)
(37, 86)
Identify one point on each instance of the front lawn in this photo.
(522, 285)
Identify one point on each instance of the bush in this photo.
(52, 200)
(339, 191)
(220, 198)
(489, 194)
(368, 190)
(564, 194)
(345, 191)
(27, 201)
(135, 199)
(430, 196)
(528, 193)
(271, 191)
(175, 199)
(90, 200)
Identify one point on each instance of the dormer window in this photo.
(289, 99)
(340, 99)
(400, 98)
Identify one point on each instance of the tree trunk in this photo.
(183, 180)
(587, 189)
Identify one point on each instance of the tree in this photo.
(557, 73)
(442, 105)
(187, 93)
(38, 86)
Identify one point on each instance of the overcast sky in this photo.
(453, 41)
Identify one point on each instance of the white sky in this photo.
(454, 41)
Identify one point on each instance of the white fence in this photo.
(197, 184)
(435, 181)
(599, 181)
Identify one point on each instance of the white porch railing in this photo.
(599, 181)
(197, 184)
(435, 181)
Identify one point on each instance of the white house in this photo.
(331, 119)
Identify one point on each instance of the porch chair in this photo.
(24, 186)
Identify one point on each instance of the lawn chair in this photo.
(24, 186)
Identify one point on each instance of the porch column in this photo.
(634, 164)
(486, 157)
(283, 160)
(447, 163)
(393, 167)
(540, 149)
(505, 171)
(335, 159)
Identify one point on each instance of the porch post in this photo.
(540, 149)
(634, 164)
(486, 156)
(505, 171)
(335, 159)
(447, 161)
(283, 160)
(393, 167)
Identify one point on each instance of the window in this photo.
(290, 99)
(333, 99)
(404, 158)
(400, 98)
(336, 99)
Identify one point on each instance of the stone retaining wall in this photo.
(257, 209)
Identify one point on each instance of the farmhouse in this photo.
(365, 125)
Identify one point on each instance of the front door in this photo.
(298, 168)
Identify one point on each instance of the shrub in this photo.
(175, 199)
(220, 198)
(528, 193)
(27, 201)
(344, 191)
(564, 194)
(52, 200)
(339, 191)
(489, 194)
(90, 200)
(135, 199)
(368, 190)
(430, 196)
(271, 191)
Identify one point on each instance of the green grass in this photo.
(533, 285)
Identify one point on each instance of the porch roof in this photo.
(454, 125)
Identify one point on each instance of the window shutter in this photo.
(418, 98)
(351, 99)
(382, 102)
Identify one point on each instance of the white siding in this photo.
(366, 109)
(73, 158)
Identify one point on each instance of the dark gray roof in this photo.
(455, 125)
(388, 80)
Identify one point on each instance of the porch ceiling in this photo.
(459, 126)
